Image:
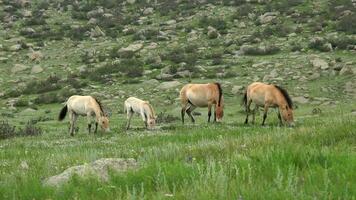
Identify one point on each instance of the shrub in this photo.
(146, 34)
(242, 11)
(280, 30)
(165, 118)
(21, 103)
(30, 130)
(296, 46)
(342, 42)
(49, 84)
(283, 5)
(259, 50)
(6, 130)
(347, 24)
(320, 44)
(217, 23)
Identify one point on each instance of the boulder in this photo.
(346, 70)
(148, 11)
(132, 48)
(319, 63)
(99, 168)
(19, 68)
(169, 85)
(36, 69)
(212, 33)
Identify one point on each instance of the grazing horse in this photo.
(202, 95)
(143, 108)
(269, 96)
(84, 106)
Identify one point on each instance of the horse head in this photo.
(104, 123)
(287, 115)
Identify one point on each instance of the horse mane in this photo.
(220, 92)
(286, 96)
(100, 105)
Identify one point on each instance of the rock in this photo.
(131, 1)
(24, 165)
(212, 33)
(28, 31)
(99, 168)
(184, 73)
(36, 69)
(165, 77)
(242, 25)
(300, 100)
(148, 11)
(314, 76)
(3, 59)
(152, 45)
(170, 22)
(346, 70)
(319, 63)
(151, 82)
(27, 13)
(237, 89)
(95, 13)
(16, 47)
(28, 111)
(169, 85)
(131, 48)
(96, 32)
(268, 17)
(18, 68)
(35, 55)
(93, 21)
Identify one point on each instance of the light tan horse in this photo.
(134, 105)
(84, 106)
(202, 95)
(266, 96)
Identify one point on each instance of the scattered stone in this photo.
(131, 1)
(151, 82)
(36, 69)
(19, 68)
(99, 168)
(165, 77)
(35, 55)
(212, 33)
(314, 76)
(169, 85)
(131, 48)
(96, 32)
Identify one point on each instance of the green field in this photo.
(116, 49)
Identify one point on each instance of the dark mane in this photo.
(286, 96)
(100, 105)
(220, 92)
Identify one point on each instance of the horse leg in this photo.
(129, 116)
(209, 113)
(189, 112)
(96, 127)
(247, 110)
(89, 122)
(280, 118)
(255, 110)
(265, 114)
(73, 118)
(184, 108)
(144, 118)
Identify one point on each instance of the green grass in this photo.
(316, 159)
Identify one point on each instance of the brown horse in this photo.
(269, 96)
(202, 95)
(85, 106)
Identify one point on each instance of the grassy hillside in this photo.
(52, 49)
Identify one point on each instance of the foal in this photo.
(143, 108)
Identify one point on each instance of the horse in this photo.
(134, 105)
(266, 95)
(85, 106)
(202, 95)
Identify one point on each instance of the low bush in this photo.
(163, 117)
(259, 50)
(30, 130)
(347, 24)
(8, 131)
(218, 23)
(342, 41)
(242, 11)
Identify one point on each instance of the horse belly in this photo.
(198, 100)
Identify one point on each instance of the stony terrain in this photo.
(52, 49)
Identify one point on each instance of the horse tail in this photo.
(244, 99)
(63, 113)
(220, 92)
